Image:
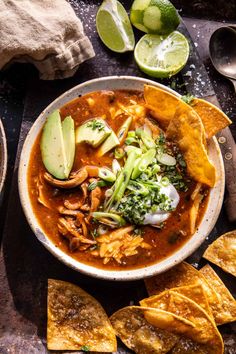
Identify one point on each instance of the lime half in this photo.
(114, 27)
(162, 56)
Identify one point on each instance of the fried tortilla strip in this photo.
(194, 292)
(228, 303)
(181, 275)
(187, 130)
(161, 103)
(222, 252)
(76, 319)
(139, 335)
(212, 117)
(163, 107)
(204, 331)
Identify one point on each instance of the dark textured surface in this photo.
(25, 265)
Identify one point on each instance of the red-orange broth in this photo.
(164, 241)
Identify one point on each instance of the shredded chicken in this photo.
(65, 211)
(193, 214)
(67, 226)
(75, 179)
(84, 187)
(41, 197)
(72, 206)
(95, 199)
(118, 244)
(80, 222)
(196, 190)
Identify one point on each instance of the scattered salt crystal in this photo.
(192, 66)
(194, 25)
(196, 44)
(188, 73)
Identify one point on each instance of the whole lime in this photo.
(154, 16)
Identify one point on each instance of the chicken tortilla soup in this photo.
(118, 183)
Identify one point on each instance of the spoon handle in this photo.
(234, 83)
(228, 150)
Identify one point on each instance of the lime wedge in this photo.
(162, 56)
(114, 27)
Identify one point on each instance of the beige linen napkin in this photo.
(46, 33)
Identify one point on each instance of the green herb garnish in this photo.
(95, 124)
(188, 98)
(85, 348)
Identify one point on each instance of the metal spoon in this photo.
(222, 49)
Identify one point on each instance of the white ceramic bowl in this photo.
(207, 223)
(3, 159)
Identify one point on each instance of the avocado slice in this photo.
(93, 132)
(68, 132)
(110, 142)
(123, 131)
(52, 147)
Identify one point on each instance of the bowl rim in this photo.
(117, 275)
(3, 156)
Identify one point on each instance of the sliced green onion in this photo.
(106, 174)
(166, 159)
(108, 193)
(155, 169)
(165, 181)
(145, 160)
(128, 149)
(123, 179)
(92, 185)
(131, 134)
(147, 139)
(137, 187)
(109, 219)
(119, 153)
(130, 140)
(116, 167)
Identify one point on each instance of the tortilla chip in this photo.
(187, 346)
(181, 275)
(194, 292)
(187, 131)
(161, 103)
(212, 117)
(204, 330)
(222, 252)
(139, 335)
(228, 303)
(77, 320)
(163, 107)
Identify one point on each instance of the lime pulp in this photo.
(114, 27)
(162, 56)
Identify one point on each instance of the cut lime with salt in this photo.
(154, 16)
(162, 56)
(114, 27)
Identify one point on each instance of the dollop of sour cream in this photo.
(160, 216)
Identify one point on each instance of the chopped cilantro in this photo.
(95, 124)
(85, 348)
(188, 98)
(133, 207)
